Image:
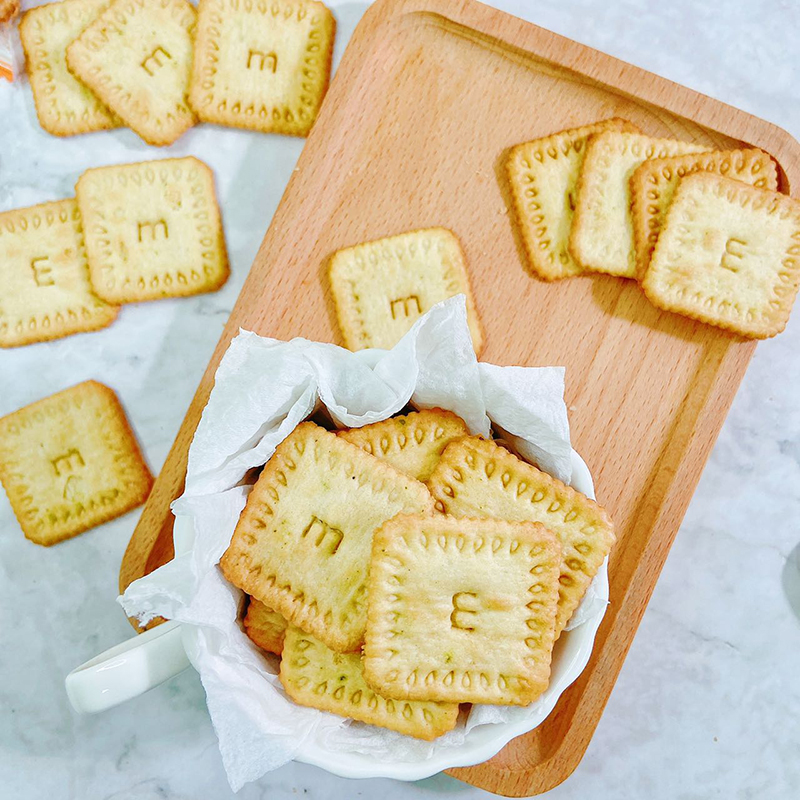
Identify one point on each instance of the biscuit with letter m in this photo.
(381, 288)
(152, 230)
(262, 65)
(302, 543)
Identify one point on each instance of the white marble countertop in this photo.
(707, 704)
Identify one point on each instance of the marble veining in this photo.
(707, 704)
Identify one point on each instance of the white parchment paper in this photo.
(263, 389)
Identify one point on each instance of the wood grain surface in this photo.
(429, 96)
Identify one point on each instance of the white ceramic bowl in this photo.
(570, 656)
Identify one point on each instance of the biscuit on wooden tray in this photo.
(381, 288)
(461, 610)
(314, 675)
(654, 183)
(729, 255)
(265, 627)
(478, 478)
(136, 57)
(412, 443)
(44, 276)
(70, 462)
(261, 65)
(543, 175)
(64, 105)
(152, 230)
(302, 543)
(602, 231)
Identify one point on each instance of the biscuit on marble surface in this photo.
(153, 230)
(263, 66)
(44, 274)
(70, 462)
(64, 105)
(136, 56)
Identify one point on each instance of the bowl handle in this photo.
(127, 670)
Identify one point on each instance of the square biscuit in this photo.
(543, 176)
(265, 627)
(729, 255)
(478, 478)
(44, 276)
(461, 610)
(64, 105)
(601, 239)
(152, 230)
(302, 543)
(70, 462)
(262, 65)
(412, 443)
(654, 183)
(136, 57)
(314, 675)
(381, 288)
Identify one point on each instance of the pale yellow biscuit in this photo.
(602, 230)
(64, 105)
(412, 443)
(262, 65)
(543, 176)
(152, 230)
(461, 610)
(265, 627)
(381, 288)
(44, 276)
(136, 57)
(70, 462)
(654, 183)
(302, 543)
(729, 255)
(314, 675)
(478, 478)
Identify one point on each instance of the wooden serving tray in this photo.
(429, 96)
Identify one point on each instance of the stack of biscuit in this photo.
(133, 232)
(159, 66)
(406, 567)
(703, 230)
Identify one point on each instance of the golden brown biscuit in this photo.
(412, 443)
(44, 276)
(64, 105)
(461, 610)
(302, 543)
(70, 462)
(263, 66)
(543, 175)
(729, 255)
(478, 478)
(314, 675)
